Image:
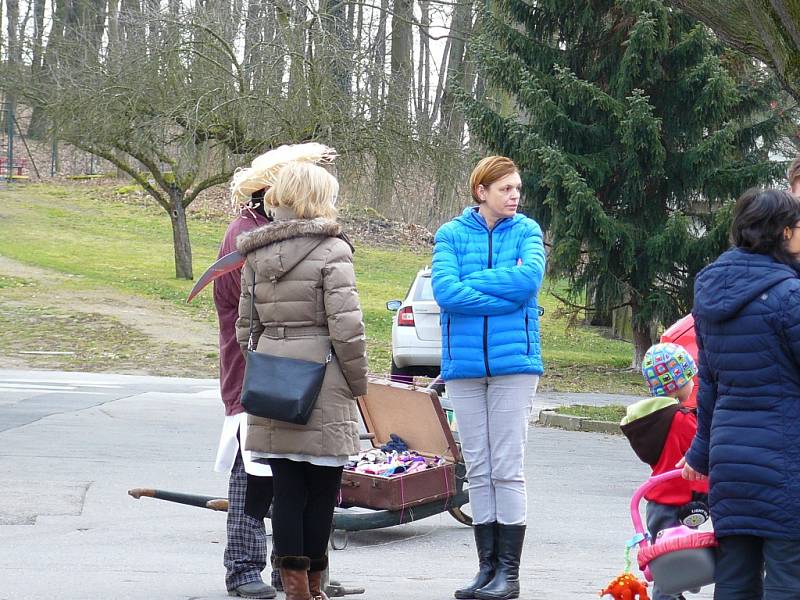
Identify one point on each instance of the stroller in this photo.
(681, 558)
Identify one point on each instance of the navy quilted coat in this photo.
(486, 284)
(747, 317)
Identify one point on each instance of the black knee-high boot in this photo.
(505, 583)
(485, 543)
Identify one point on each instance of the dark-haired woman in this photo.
(747, 318)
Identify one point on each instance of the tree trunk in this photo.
(180, 235)
(254, 23)
(423, 116)
(641, 342)
(338, 47)
(452, 119)
(397, 99)
(642, 337)
(359, 29)
(272, 67)
(38, 123)
(437, 95)
(38, 46)
(133, 25)
(113, 29)
(597, 315)
(13, 59)
(377, 78)
(12, 31)
(298, 88)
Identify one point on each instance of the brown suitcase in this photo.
(416, 416)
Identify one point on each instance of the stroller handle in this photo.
(636, 517)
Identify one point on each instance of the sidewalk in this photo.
(73, 444)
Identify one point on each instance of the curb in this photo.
(550, 418)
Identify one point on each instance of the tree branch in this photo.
(764, 29)
(123, 166)
(592, 309)
(151, 166)
(205, 184)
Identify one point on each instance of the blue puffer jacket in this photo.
(486, 283)
(747, 318)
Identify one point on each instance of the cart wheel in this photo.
(342, 541)
(460, 516)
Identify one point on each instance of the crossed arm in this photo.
(489, 291)
(516, 283)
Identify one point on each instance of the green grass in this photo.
(14, 282)
(86, 341)
(88, 233)
(77, 231)
(612, 413)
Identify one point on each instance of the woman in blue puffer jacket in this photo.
(488, 265)
(747, 319)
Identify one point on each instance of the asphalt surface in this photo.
(72, 444)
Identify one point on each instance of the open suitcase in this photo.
(415, 415)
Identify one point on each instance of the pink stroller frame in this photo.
(680, 559)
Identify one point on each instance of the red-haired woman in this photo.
(488, 265)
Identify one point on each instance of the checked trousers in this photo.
(246, 551)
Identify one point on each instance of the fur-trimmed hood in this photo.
(278, 231)
(290, 242)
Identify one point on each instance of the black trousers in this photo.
(258, 496)
(304, 496)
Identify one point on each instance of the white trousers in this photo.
(492, 414)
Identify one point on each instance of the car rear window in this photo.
(424, 290)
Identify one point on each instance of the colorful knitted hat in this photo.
(667, 368)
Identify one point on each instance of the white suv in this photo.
(416, 333)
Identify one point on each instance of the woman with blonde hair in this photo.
(250, 483)
(488, 265)
(299, 271)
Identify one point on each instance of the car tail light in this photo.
(405, 318)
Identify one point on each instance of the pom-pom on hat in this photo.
(265, 168)
(667, 368)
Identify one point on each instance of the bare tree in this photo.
(153, 117)
(163, 86)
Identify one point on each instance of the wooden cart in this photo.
(374, 502)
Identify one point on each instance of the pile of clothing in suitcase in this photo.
(393, 458)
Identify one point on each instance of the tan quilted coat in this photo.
(305, 303)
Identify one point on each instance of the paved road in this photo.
(71, 445)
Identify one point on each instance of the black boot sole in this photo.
(509, 595)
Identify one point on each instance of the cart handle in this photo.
(636, 517)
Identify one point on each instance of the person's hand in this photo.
(688, 472)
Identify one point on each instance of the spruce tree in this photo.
(634, 129)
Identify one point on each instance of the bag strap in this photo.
(252, 310)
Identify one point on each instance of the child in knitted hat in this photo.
(660, 430)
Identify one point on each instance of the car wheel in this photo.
(401, 374)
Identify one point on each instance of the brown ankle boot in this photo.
(316, 570)
(294, 575)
